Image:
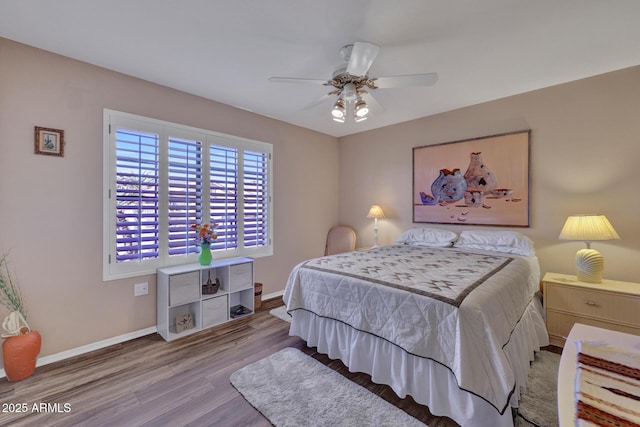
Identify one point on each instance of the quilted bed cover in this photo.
(455, 307)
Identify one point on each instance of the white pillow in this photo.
(423, 236)
(500, 241)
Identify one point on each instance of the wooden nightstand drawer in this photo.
(593, 303)
(560, 324)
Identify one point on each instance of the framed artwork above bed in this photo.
(480, 181)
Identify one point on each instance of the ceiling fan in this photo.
(351, 82)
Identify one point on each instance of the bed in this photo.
(452, 320)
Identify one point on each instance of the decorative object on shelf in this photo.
(452, 183)
(206, 236)
(49, 141)
(239, 310)
(588, 228)
(375, 212)
(210, 288)
(205, 254)
(21, 345)
(184, 322)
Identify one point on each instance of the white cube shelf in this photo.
(181, 291)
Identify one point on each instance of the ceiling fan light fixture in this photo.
(339, 110)
(361, 109)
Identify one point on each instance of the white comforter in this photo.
(455, 307)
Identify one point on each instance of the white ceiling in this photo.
(227, 50)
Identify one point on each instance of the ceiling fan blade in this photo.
(372, 102)
(297, 80)
(411, 80)
(362, 56)
(320, 100)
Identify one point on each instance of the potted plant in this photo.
(21, 345)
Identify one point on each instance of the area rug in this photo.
(281, 313)
(293, 389)
(539, 405)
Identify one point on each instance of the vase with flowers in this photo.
(206, 236)
(21, 344)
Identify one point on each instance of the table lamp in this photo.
(375, 212)
(588, 228)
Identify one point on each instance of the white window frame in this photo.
(112, 270)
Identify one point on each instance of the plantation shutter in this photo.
(223, 193)
(161, 178)
(256, 199)
(137, 187)
(184, 194)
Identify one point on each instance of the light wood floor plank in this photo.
(150, 382)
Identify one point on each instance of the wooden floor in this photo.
(148, 381)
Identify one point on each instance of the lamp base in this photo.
(589, 266)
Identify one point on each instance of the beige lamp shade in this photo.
(588, 228)
(375, 212)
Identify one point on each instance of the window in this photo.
(184, 194)
(160, 178)
(223, 195)
(255, 199)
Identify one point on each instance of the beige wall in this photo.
(51, 208)
(585, 158)
(585, 146)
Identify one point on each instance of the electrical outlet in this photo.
(140, 289)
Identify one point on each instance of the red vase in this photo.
(19, 355)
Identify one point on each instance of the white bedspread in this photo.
(458, 308)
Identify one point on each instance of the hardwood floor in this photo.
(148, 381)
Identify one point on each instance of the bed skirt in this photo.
(428, 382)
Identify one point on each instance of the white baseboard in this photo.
(90, 347)
(110, 341)
(273, 295)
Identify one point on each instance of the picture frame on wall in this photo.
(49, 141)
(479, 181)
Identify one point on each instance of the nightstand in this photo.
(610, 305)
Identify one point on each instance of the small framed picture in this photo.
(49, 141)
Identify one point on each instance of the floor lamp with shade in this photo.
(375, 212)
